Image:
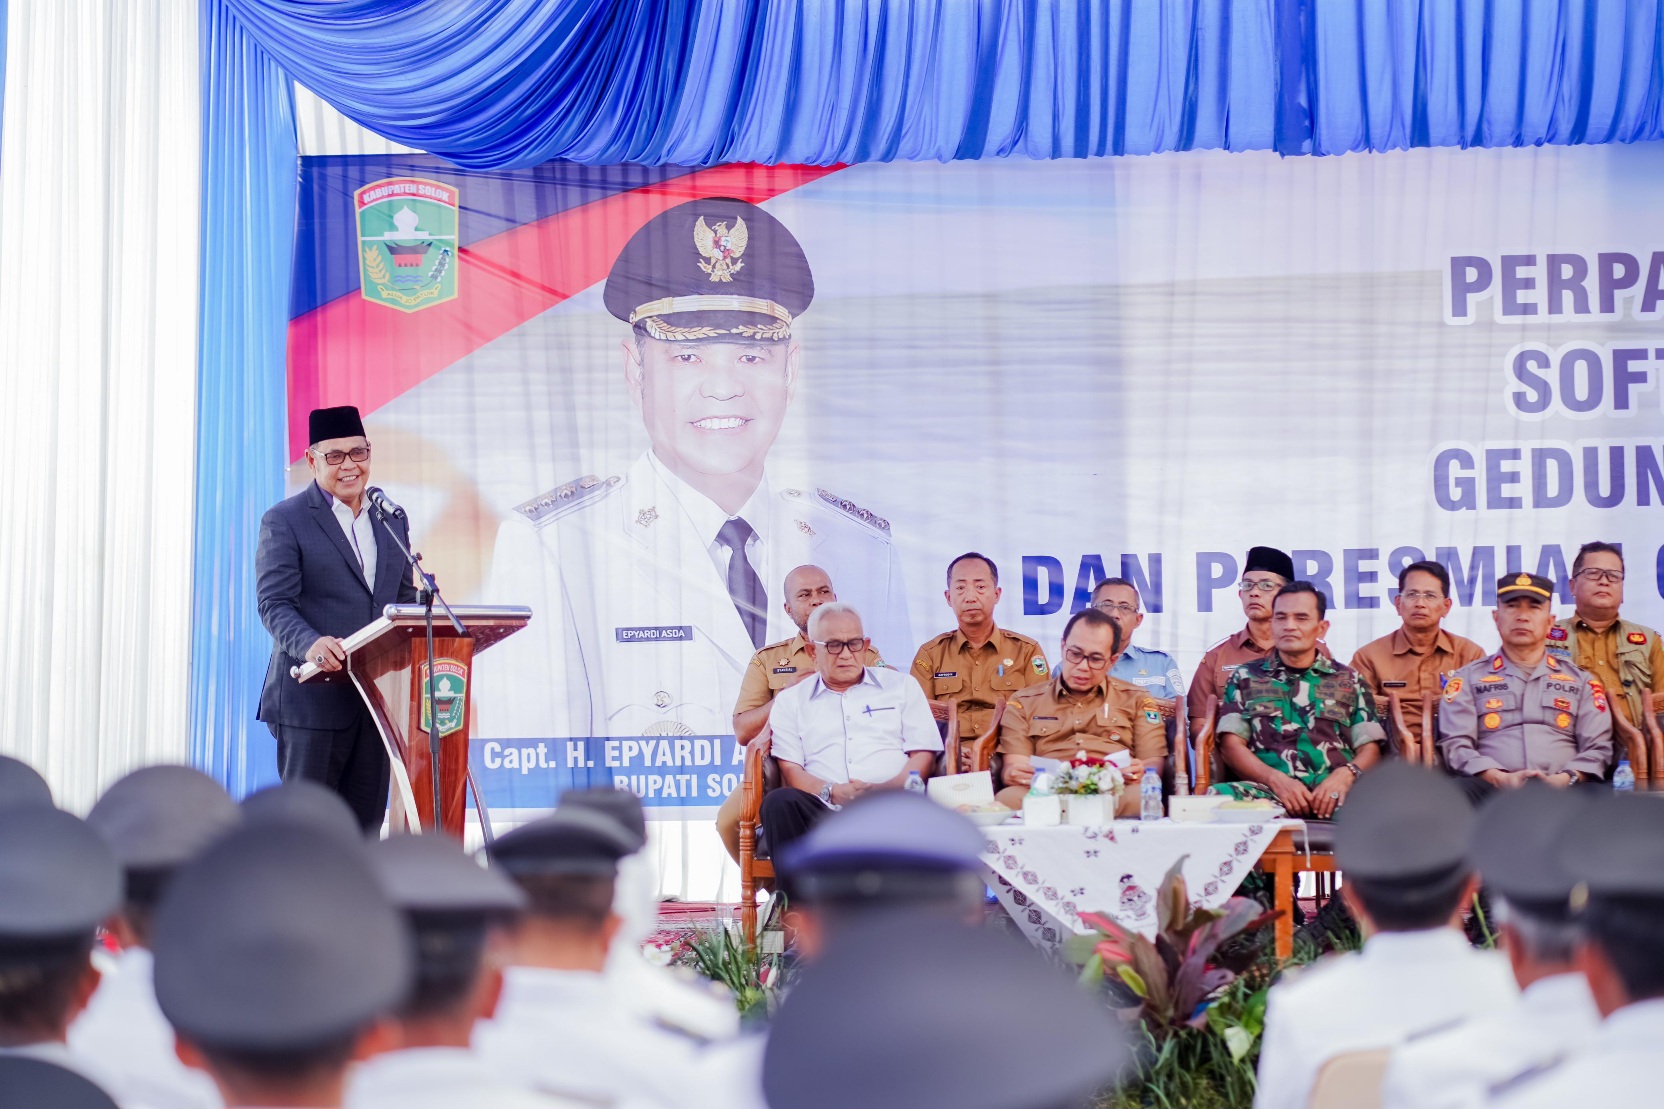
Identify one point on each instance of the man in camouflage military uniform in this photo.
(978, 663)
(1297, 727)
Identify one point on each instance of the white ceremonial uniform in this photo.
(1400, 984)
(1457, 1067)
(439, 1078)
(123, 1031)
(862, 734)
(1617, 1068)
(567, 1034)
(633, 630)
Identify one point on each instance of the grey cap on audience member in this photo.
(1403, 824)
(883, 1020)
(885, 846)
(303, 802)
(30, 1083)
(157, 817)
(21, 784)
(567, 841)
(1616, 848)
(58, 879)
(433, 874)
(620, 804)
(275, 938)
(1515, 847)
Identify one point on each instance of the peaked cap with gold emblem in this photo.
(711, 270)
(1510, 586)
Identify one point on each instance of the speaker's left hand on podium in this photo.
(327, 654)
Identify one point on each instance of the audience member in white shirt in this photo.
(847, 731)
(1515, 848)
(1401, 839)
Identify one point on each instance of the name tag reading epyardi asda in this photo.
(665, 633)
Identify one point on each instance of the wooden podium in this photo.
(387, 662)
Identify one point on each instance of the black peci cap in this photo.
(1270, 560)
(342, 422)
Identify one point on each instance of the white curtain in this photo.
(98, 306)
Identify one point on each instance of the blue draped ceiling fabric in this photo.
(515, 83)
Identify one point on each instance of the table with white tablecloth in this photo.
(1047, 877)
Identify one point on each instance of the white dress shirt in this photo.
(1456, 1068)
(707, 518)
(361, 535)
(567, 1033)
(1617, 1069)
(123, 1033)
(862, 734)
(1401, 983)
(439, 1078)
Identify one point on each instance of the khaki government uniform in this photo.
(1216, 667)
(777, 666)
(1392, 659)
(949, 670)
(1627, 659)
(1056, 723)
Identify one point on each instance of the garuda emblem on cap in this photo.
(721, 247)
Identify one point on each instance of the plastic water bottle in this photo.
(1623, 778)
(1150, 796)
(915, 784)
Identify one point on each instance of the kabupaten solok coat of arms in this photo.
(449, 702)
(407, 240)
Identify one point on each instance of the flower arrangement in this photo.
(1089, 775)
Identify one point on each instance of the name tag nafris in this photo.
(667, 633)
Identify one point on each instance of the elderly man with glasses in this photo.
(1082, 708)
(1625, 657)
(1267, 570)
(1154, 671)
(851, 729)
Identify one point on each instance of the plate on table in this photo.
(1224, 814)
(988, 817)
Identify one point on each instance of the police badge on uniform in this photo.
(407, 240)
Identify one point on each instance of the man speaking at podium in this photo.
(325, 567)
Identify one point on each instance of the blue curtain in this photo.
(248, 210)
(512, 83)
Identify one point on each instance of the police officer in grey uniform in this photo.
(1516, 848)
(650, 588)
(278, 961)
(884, 1019)
(1522, 713)
(155, 820)
(459, 914)
(1617, 851)
(562, 1026)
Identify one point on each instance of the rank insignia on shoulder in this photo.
(1557, 634)
(562, 499)
(1552, 665)
(1637, 638)
(1039, 664)
(1451, 690)
(850, 508)
(1497, 663)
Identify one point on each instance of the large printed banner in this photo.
(1134, 366)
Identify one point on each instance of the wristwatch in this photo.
(826, 794)
(1352, 766)
(1577, 776)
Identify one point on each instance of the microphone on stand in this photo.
(382, 504)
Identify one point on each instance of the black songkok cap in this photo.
(333, 423)
(37, 1084)
(568, 841)
(58, 879)
(1403, 824)
(1515, 846)
(20, 783)
(713, 270)
(883, 1019)
(620, 804)
(1271, 560)
(159, 816)
(278, 937)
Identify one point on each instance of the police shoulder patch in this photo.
(1557, 633)
(563, 499)
(1454, 688)
(1637, 638)
(854, 511)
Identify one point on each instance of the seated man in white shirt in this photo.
(1617, 848)
(1515, 846)
(1401, 840)
(847, 731)
(563, 1026)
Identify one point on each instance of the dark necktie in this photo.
(744, 586)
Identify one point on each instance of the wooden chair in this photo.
(1350, 1081)
(1635, 745)
(1423, 751)
(762, 773)
(980, 755)
(1655, 731)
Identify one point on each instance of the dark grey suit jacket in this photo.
(308, 584)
